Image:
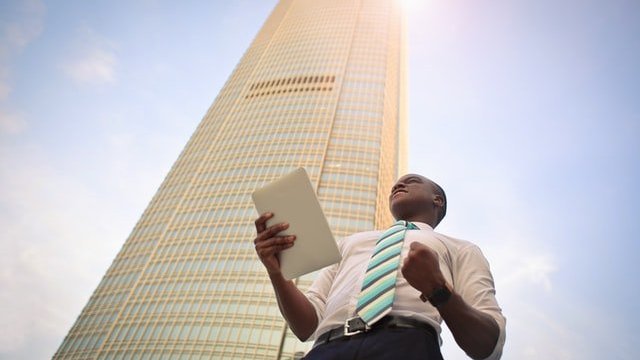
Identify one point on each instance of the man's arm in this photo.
(294, 306)
(477, 333)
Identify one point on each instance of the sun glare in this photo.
(409, 5)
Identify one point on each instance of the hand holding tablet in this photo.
(294, 236)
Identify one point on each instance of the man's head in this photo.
(416, 198)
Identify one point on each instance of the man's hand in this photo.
(268, 244)
(421, 269)
(476, 332)
(294, 305)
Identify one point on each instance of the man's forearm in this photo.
(475, 332)
(295, 307)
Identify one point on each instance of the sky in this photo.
(526, 112)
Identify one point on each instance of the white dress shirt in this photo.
(334, 293)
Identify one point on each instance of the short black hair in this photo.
(443, 210)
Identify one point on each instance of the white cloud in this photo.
(93, 66)
(93, 61)
(516, 266)
(60, 229)
(5, 89)
(11, 123)
(58, 237)
(25, 26)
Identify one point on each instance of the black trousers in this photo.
(381, 344)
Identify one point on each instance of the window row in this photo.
(201, 308)
(289, 91)
(206, 249)
(120, 280)
(203, 201)
(340, 192)
(134, 245)
(82, 342)
(152, 229)
(107, 299)
(293, 80)
(124, 261)
(244, 158)
(212, 215)
(271, 147)
(371, 113)
(348, 226)
(348, 156)
(156, 289)
(206, 231)
(197, 332)
(291, 134)
(92, 320)
(200, 266)
(347, 206)
(276, 109)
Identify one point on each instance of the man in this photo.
(439, 278)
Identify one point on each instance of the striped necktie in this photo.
(378, 288)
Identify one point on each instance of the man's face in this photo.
(410, 195)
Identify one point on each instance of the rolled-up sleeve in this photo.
(474, 282)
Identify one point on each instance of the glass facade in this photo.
(321, 86)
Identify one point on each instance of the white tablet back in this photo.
(292, 199)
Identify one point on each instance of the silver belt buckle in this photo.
(355, 325)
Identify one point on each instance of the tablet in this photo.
(292, 199)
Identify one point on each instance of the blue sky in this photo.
(526, 112)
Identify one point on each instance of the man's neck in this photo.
(423, 218)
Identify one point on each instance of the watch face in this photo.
(440, 296)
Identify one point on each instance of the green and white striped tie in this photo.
(378, 288)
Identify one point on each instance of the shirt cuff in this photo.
(497, 350)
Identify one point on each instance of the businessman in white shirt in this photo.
(436, 278)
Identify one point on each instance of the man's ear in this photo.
(438, 200)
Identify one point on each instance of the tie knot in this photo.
(398, 226)
(406, 224)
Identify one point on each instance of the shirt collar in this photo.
(422, 226)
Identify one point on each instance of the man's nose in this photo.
(396, 186)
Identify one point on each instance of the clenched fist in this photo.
(421, 268)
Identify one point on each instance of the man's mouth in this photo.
(398, 192)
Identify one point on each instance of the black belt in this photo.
(355, 326)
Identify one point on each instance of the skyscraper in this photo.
(321, 86)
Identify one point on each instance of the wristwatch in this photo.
(438, 297)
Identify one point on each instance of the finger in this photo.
(266, 252)
(261, 222)
(274, 245)
(406, 269)
(272, 231)
(276, 241)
